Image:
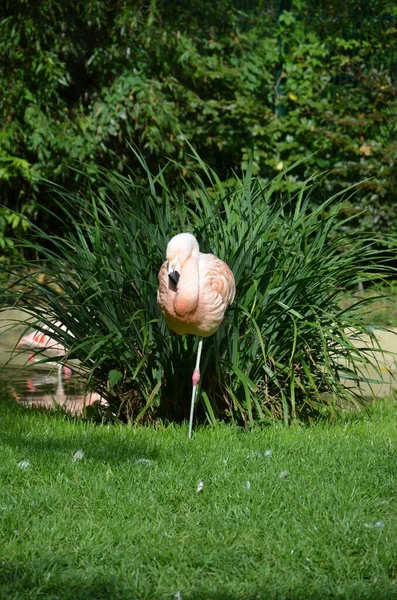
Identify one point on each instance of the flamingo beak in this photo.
(174, 271)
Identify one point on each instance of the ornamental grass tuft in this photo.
(286, 346)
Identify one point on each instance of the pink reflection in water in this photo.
(48, 389)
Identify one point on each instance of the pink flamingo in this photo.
(39, 339)
(195, 289)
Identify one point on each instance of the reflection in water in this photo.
(48, 389)
(38, 385)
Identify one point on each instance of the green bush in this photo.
(285, 337)
(80, 79)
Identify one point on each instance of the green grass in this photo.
(111, 525)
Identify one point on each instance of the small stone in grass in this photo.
(284, 474)
(144, 461)
(378, 525)
(78, 455)
(24, 464)
(200, 486)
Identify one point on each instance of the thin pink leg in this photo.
(195, 380)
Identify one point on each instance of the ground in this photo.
(98, 512)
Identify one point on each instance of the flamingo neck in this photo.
(187, 294)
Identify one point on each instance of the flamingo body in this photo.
(195, 289)
(39, 339)
(44, 342)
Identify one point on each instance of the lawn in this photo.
(95, 512)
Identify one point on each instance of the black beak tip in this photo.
(174, 277)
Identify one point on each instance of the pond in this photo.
(45, 385)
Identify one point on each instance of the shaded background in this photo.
(283, 79)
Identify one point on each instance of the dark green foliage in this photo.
(80, 79)
(285, 341)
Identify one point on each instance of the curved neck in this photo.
(187, 294)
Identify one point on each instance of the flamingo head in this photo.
(180, 248)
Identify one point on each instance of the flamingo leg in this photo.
(59, 389)
(195, 380)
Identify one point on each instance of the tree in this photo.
(82, 80)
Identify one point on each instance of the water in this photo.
(36, 385)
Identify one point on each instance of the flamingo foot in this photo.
(196, 377)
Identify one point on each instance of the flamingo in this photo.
(195, 290)
(39, 339)
(43, 341)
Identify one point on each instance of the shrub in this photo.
(281, 348)
(316, 82)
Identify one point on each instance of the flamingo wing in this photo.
(217, 290)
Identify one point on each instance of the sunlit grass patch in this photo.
(126, 519)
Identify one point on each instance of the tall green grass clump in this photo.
(285, 345)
